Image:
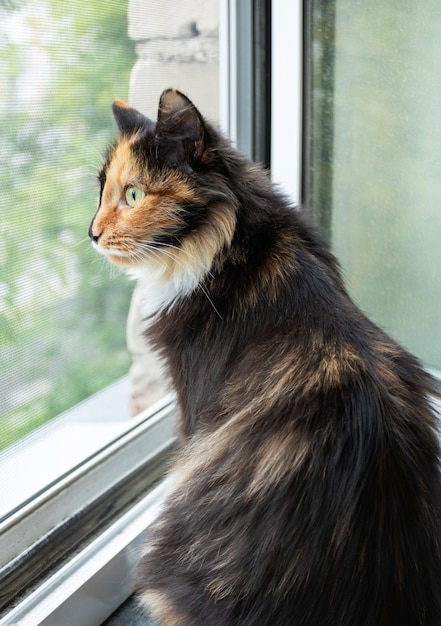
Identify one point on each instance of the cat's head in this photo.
(163, 207)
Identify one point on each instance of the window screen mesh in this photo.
(62, 313)
(376, 159)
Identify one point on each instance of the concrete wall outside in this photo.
(177, 44)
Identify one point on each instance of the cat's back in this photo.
(310, 491)
(314, 496)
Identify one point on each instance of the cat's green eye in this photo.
(134, 195)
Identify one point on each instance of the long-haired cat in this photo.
(307, 487)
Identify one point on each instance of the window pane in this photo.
(376, 158)
(63, 309)
(62, 316)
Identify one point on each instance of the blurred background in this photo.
(62, 313)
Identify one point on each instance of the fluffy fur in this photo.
(308, 482)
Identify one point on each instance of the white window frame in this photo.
(287, 97)
(98, 578)
(286, 87)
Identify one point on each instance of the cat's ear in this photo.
(128, 119)
(179, 130)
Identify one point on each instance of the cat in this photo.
(307, 487)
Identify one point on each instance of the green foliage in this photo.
(62, 320)
(11, 5)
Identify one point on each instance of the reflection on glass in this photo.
(377, 184)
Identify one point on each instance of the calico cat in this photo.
(307, 488)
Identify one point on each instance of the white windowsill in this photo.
(53, 450)
(91, 586)
(120, 451)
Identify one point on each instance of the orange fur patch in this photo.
(279, 457)
(127, 234)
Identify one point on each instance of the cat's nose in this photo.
(93, 234)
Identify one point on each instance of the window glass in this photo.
(376, 158)
(62, 312)
(70, 323)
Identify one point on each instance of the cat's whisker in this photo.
(205, 292)
(82, 242)
(154, 250)
(89, 167)
(162, 245)
(179, 262)
(94, 153)
(157, 251)
(161, 248)
(104, 265)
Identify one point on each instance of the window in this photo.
(62, 318)
(373, 171)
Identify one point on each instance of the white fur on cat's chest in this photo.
(161, 292)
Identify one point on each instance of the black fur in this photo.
(308, 482)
